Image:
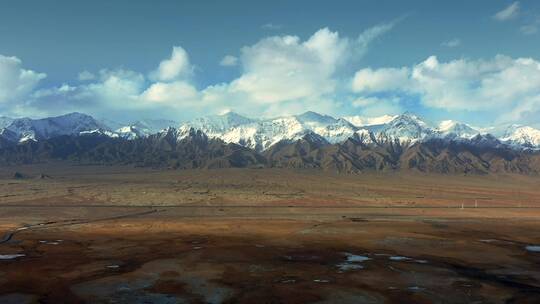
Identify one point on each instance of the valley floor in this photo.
(121, 235)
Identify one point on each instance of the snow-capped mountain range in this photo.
(261, 134)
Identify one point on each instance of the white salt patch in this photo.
(533, 248)
(50, 242)
(11, 256)
(352, 258)
(352, 262)
(399, 258)
(348, 267)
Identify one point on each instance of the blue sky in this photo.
(449, 58)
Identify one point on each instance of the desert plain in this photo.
(111, 234)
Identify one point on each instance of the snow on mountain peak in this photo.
(38, 129)
(457, 129)
(409, 119)
(261, 134)
(522, 135)
(214, 125)
(405, 128)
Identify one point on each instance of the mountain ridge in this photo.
(193, 149)
(307, 140)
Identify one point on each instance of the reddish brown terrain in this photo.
(123, 235)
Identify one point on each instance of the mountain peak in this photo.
(522, 135)
(454, 128)
(73, 114)
(409, 116)
(260, 134)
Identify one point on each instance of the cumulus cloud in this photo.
(510, 12)
(174, 68)
(111, 89)
(285, 74)
(16, 83)
(170, 92)
(283, 68)
(229, 60)
(501, 84)
(278, 75)
(384, 79)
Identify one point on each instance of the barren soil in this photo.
(124, 235)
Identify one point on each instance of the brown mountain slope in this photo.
(358, 154)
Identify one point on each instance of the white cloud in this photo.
(283, 74)
(111, 89)
(510, 12)
(282, 68)
(278, 75)
(369, 35)
(174, 68)
(85, 76)
(452, 43)
(117, 86)
(499, 85)
(229, 60)
(170, 93)
(368, 80)
(16, 83)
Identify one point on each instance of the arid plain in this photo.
(91, 234)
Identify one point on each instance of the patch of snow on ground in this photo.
(348, 267)
(352, 258)
(533, 248)
(11, 256)
(399, 258)
(352, 262)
